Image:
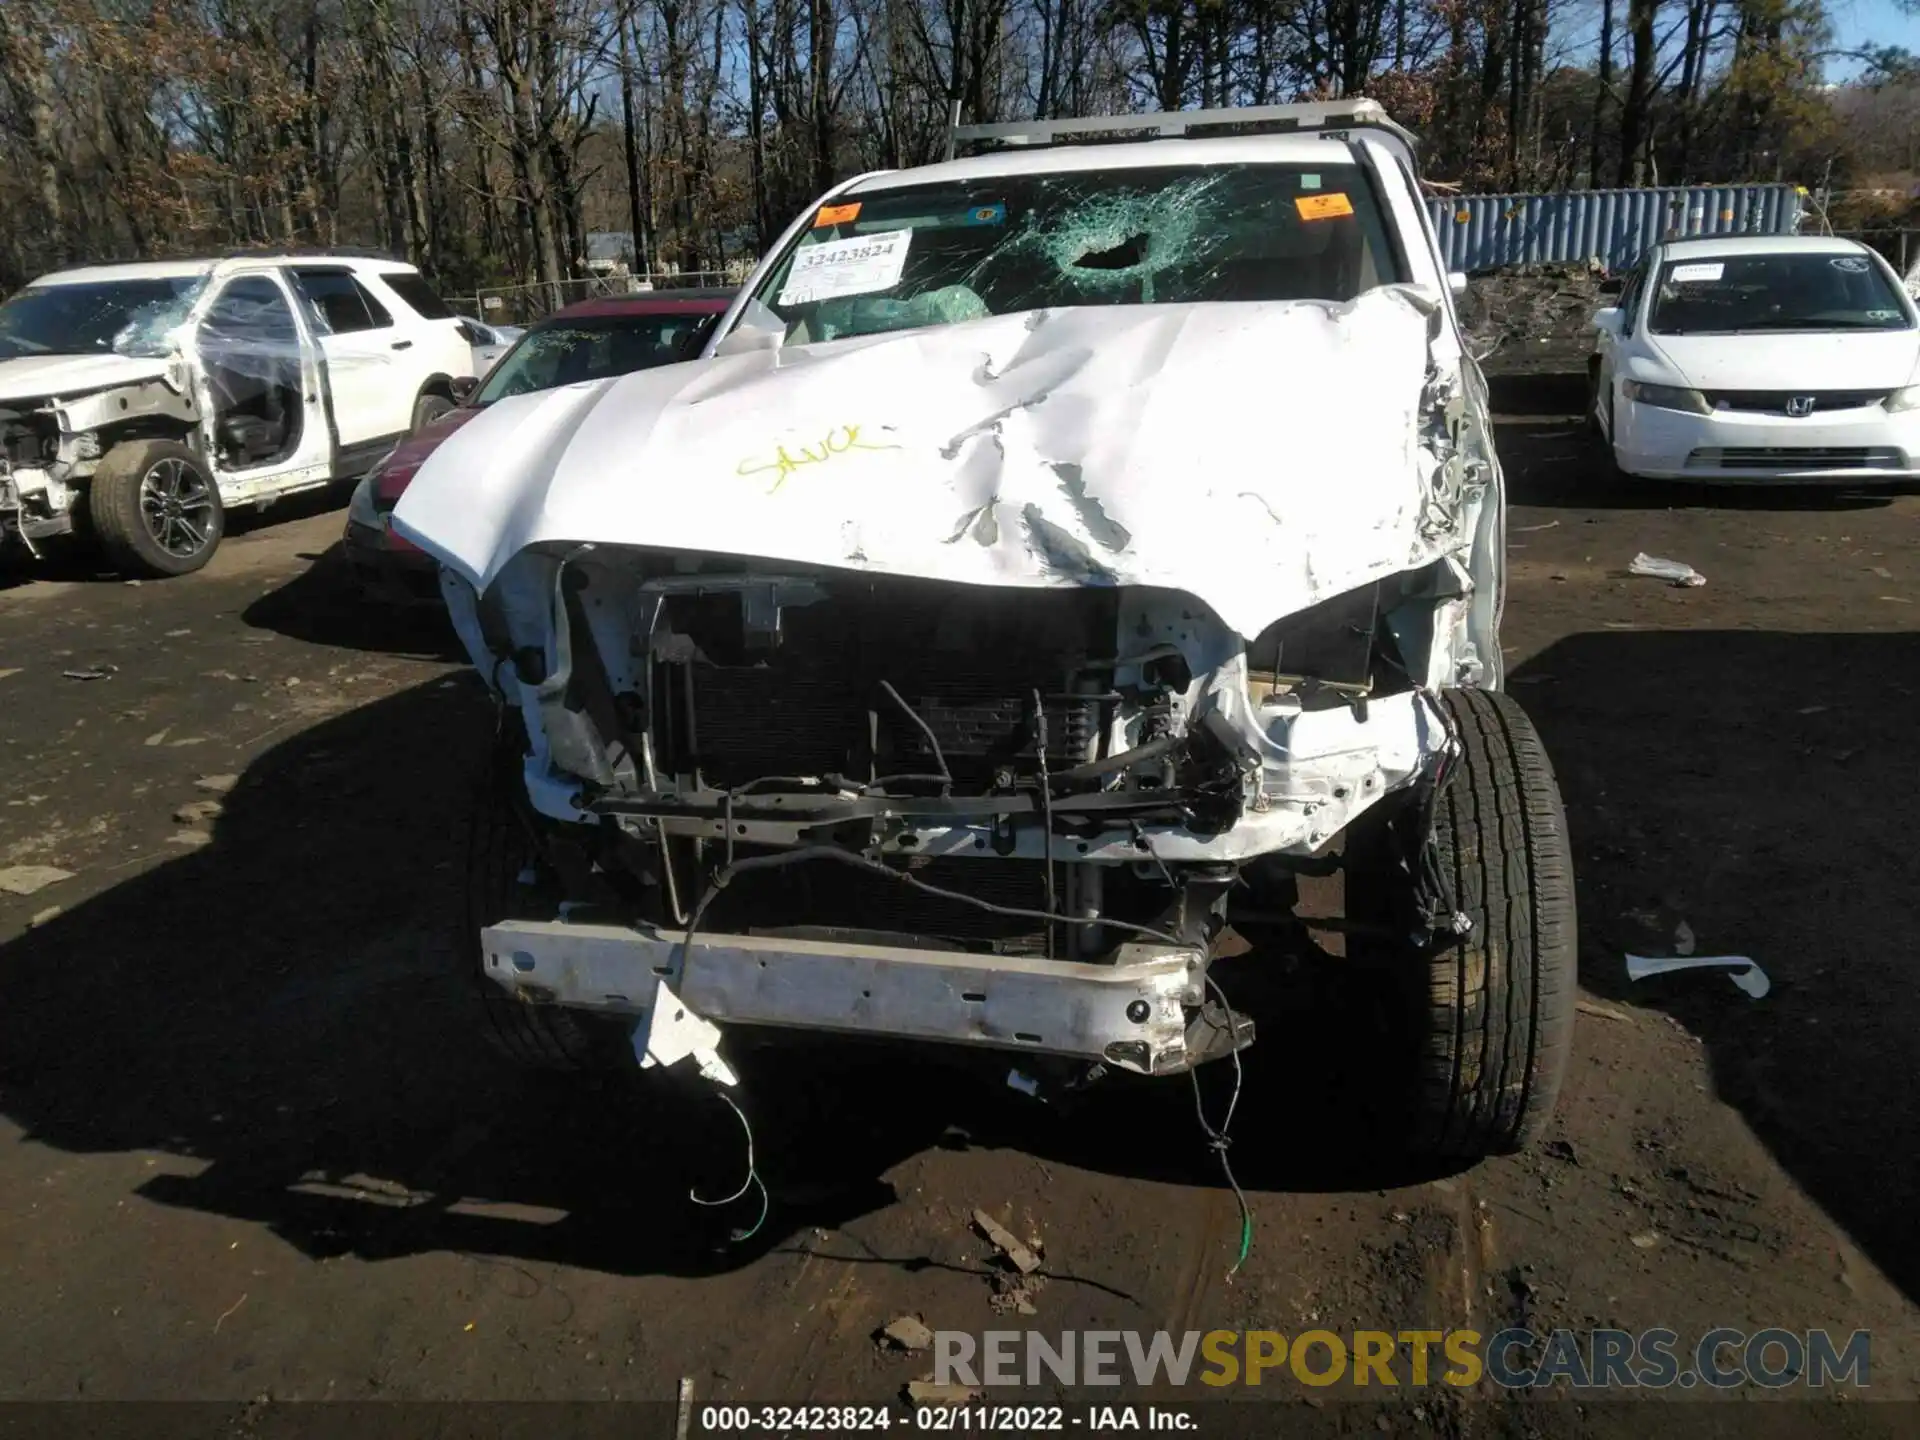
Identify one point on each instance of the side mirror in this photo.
(1457, 283)
(1610, 321)
(748, 340)
(463, 387)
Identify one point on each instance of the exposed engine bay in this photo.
(918, 767)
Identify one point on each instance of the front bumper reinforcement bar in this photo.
(1132, 1015)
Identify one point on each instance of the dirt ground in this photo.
(253, 1153)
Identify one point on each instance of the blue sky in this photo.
(1858, 24)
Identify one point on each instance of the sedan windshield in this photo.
(938, 254)
(565, 352)
(94, 319)
(1737, 293)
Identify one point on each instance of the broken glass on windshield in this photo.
(1121, 236)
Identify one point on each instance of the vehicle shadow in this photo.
(1759, 786)
(73, 560)
(1552, 460)
(323, 605)
(283, 1005)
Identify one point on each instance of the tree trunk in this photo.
(1634, 116)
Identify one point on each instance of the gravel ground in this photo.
(252, 1153)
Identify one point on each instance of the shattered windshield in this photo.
(128, 317)
(938, 254)
(1737, 293)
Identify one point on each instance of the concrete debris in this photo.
(158, 737)
(41, 917)
(908, 1332)
(92, 672)
(27, 879)
(216, 784)
(1015, 1294)
(1646, 1239)
(1739, 969)
(1599, 1011)
(10, 670)
(683, 1414)
(197, 812)
(1683, 941)
(1673, 571)
(191, 839)
(1018, 1255)
(926, 1392)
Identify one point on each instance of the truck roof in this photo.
(1299, 149)
(206, 265)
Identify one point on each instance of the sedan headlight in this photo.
(1907, 399)
(1668, 397)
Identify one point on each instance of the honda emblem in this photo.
(1799, 405)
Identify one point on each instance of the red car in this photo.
(594, 340)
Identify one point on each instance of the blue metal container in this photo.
(1572, 227)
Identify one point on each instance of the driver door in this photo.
(253, 357)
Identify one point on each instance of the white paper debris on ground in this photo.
(1670, 570)
(1683, 941)
(1675, 571)
(28, 879)
(1739, 969)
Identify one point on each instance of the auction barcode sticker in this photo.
(859, 265)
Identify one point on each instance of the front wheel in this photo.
(503, 880)
(1486, 1010)
(154, 509)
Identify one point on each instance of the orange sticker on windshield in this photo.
(1322, 207)
(836, 214)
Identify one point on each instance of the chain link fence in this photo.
(524, 304)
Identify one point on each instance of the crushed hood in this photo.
(36, 377)
(1257, 456)
(1847, 360)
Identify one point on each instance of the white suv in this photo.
(139, 401)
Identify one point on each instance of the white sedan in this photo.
(1791, 358)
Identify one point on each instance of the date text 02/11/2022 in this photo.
(975, 1419)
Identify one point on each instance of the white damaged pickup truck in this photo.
(1060, 550)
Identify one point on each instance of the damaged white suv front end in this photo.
(1056, 546)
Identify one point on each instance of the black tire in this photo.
(154, 509)
(429, 408)
(1486, 1017)
(498, 849)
